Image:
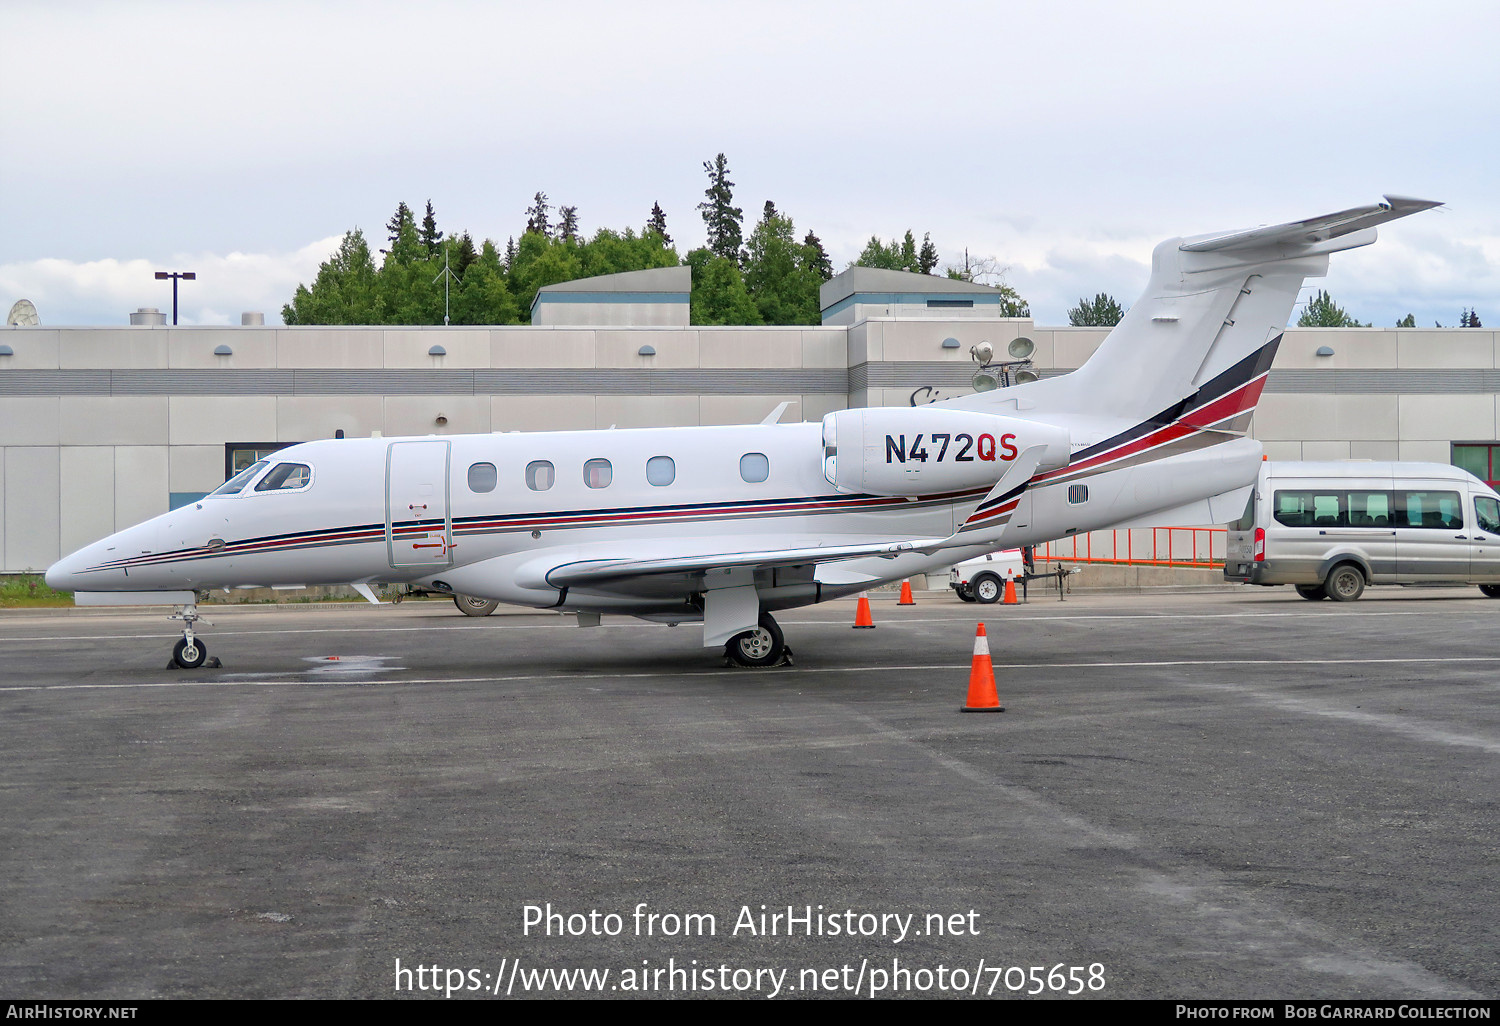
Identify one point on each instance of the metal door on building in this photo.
(418, 520)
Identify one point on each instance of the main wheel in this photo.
(987, 589)
(965, 592)
(471, 606)
(187, 656)
(763, 646)
(1490, 590)
(1345, 584)
(1312, 592)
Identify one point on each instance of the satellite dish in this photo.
(1025, 375)
(984, 381)
(22, 315)
(1021, 348)
(982, 354)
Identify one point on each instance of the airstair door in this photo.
(418, 520)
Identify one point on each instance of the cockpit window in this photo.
(238, 481)
(285, 477)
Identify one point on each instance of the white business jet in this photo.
(725, 525)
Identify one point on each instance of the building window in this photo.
(754, 467)
(962, 304)
(598, 473)
(1482, 459)
(540, 475)
(1078, 494)
(482, 477)
(660, 471)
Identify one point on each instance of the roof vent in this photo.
(148, 315)
(252, 319)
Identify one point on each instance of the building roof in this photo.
(656, 279)
(879, 280)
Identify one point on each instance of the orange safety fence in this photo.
(1165, 546)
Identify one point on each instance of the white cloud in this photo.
(107, 291)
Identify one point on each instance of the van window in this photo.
(660, 471)
(1440, 511)
(482, 477)
(754, 467)
(539, 475)
(1327, 508)
(284, 477)
(598, 473)
(1488, 512)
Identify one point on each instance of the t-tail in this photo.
(1196, 347)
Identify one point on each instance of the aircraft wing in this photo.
(1314, 229)
(586, 571)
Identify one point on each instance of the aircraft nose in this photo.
(60, 575)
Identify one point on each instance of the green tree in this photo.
(463, 254)
(1322, 312)
(1470, 319)
(927, 259)
(401, 219)
(780, 274)
(722, 218)
(344, 290)
(817, 256)
(719, 295)
(893, 255)
(1102, 311)
(658, 223)
(567, 225)
(536, 216)
(1409, 321)
(428, 235)
(482, 297)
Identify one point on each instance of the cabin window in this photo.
(540, 475)
(482, 477)
(285, 477)
(754, 467)
(238, 481)
(598, 473)
(660, 471)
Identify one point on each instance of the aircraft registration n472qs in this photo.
(726, 525)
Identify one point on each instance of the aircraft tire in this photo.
(189, 657)
(764, 646)
(987, 589)
(1345, 584)
(1311, 592)
(1490, 590)
(471, 606)
(965, 593)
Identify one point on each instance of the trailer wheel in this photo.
(1345, 584)
(965, 592)
(987, 588)
(1311, 592)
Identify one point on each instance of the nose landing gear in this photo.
(190, 653)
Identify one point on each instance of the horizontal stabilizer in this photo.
(1313, 229)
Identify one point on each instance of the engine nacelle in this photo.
(895, 450)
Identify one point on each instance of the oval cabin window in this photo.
(660, 471)
(482, 477)
(754, 467)
(598, 473)
(540, 475)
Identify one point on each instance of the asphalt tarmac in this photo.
(1218, 795)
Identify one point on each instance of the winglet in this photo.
(774, 416)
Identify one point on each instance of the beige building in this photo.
(101, 428)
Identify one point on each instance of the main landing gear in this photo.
(763, 646)
(190, 653)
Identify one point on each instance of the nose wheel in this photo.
(190, 653)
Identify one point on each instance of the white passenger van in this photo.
(1332, 528)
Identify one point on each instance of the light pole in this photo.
(175, 275)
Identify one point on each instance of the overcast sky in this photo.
(1065, 139)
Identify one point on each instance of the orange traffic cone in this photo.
(906, 599)
(862, 616)
(1010, 589)
(982, 696)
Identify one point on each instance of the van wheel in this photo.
(1345, 584)
(1311, 592)
(1491, 590)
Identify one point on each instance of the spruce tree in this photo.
(658, 223)
(927, 259)
(1322, 312)
(429, 234)
(1103, 311)
(567, 227)
(401, 219)
(536, 216)
(720, 215)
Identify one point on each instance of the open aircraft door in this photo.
(418, 519)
